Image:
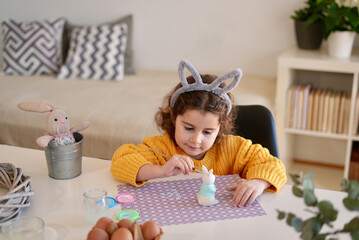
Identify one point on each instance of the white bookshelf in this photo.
(317, 67)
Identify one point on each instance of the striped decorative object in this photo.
(32, 48)
(96, 53)
(18, 192)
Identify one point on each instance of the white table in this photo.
(59, 203)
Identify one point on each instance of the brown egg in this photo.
(122, 234)
(127, 223)
(97, 234)
(103, 222)
(150, 230)
(111, 228)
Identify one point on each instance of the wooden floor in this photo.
(324, 177)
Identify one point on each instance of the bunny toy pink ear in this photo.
(40, 106)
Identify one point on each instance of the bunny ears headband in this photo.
(199, 85)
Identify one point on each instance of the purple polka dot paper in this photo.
(175, 202)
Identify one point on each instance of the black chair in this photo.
(255, 122)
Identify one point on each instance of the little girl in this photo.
(196, 118)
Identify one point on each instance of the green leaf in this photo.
(345, 184)
(290, 216)
(312, 19)
(351, 204)
(352, 225)
(352, 14)
(281, 215)
(331, 20)
(311, 228)
(309, 198)
(327, 211)
(307, 234)
(308, 181)
(353, 190)
(316, 225)
(297, 224)
(333, 10)
(297, 191)
(295, 178)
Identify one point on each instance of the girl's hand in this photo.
(178, 164)
(247, 191)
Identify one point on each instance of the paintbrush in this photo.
(194, 169)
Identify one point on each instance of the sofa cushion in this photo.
(129, 68)
(96, 52)
(32, 48)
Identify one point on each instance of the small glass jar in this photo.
(24, 228)
(95, 204)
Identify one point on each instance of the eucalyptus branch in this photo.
(323, 211)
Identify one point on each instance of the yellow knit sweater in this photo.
(233, 155)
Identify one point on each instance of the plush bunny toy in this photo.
(206, 195)
(57, 124)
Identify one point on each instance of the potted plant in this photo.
(341, 25)
(309, 23)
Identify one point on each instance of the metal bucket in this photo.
(65, 162)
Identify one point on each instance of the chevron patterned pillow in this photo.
(32, 48)
(128, 20)
(96, 52)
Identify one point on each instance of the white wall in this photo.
(214, 35)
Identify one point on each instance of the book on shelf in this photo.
(346, 114)
(343, 99)
(330, 113)
(321, 110)
(317, 94)
(304, 111)
(310, 109)
(335, 117)
(296, 97)
(300, 107)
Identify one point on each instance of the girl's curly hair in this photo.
(204, 101)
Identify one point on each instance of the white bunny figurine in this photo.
(206, 195)
(57, 123)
